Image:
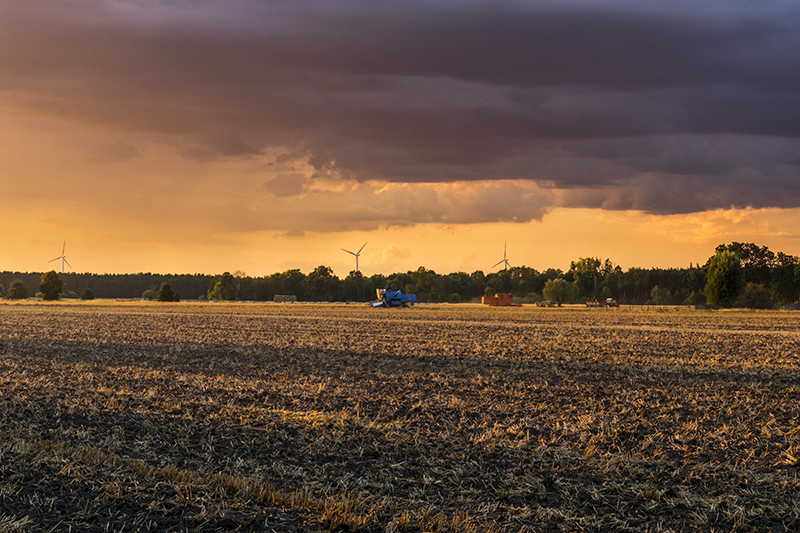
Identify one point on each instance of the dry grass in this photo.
(214, 417)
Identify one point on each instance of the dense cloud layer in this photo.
(619, 105)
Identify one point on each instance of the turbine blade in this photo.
(56, 259)
(348, 251)
(359, 250)
(67, 262)
(64, 247)
(499, 262)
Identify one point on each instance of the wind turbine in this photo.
(505, 259)
(63, 257)
(358, 253)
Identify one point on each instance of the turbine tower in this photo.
(505, 259)
(63, 257)
(358, 253)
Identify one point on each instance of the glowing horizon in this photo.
(261, 137)
(671, 242)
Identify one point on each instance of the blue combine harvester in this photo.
(394, 298)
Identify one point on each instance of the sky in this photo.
(194, 136)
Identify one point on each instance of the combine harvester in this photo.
(500, 300)
(393, 298)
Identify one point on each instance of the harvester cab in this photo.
(394, 298)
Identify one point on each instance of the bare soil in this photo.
(119, 416)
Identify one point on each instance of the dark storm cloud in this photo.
(643, 105)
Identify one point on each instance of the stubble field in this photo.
(243, 417)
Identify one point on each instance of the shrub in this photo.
(754, 296)
(149, 294)
(87, 294)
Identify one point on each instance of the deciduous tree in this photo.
(785, 287)
(660, 295)
(756, 260)
(586, 272)
(321, 284)
(51, 285)
(238, 277)
(17, 290)
(559, 291)
(353, 286)
(223, 288)
(725, 279)
(166, 294)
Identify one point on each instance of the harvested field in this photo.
(244, 417)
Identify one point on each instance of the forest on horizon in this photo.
(764, 279)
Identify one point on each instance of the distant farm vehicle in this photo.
(609, 302)
(500, 300)
(393, 298)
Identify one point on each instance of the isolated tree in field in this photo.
(149, 294)
(559, 291)
(51, 285)
(17, 290)
(725, 279)
(87, 294)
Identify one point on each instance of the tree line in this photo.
(738, 274)
(114, 285)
